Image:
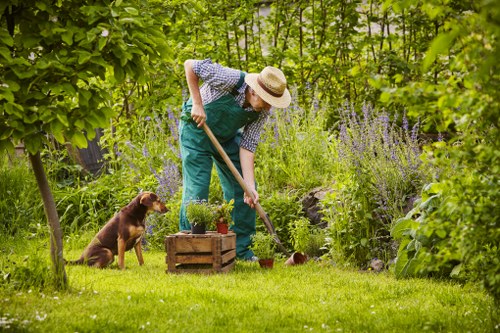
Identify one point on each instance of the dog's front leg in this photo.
(138, 252)
(121, 252)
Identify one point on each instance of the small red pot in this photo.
(222, 228)
(266, 263)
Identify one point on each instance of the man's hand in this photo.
(249, 201)
(198, 114)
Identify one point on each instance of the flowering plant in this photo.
(223, 212)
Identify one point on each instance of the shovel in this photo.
(262, 214)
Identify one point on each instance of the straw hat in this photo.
(270, 85)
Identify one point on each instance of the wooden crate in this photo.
(208, 253)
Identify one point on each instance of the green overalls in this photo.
(225, 118)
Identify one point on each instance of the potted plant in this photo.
(301, 236)
(200, 215)
(223, 219)
(263, 247)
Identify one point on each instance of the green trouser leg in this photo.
(197, 161)
(243, 215)
(196, 172)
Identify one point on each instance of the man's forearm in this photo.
(247, 159)
(192, 82)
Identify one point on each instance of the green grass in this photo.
(313, 297)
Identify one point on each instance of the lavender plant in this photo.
(380, 178)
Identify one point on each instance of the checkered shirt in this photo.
(219, 81)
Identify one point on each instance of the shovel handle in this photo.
(260, 211)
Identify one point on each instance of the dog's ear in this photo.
(148, 198)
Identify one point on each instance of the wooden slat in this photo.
(228, 242)
(227, 268)
(228, 256)
(193, 259)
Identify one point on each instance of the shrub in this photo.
(380, 178)
(283, 209)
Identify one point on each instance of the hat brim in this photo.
(278, 102)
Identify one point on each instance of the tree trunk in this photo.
(56, 244)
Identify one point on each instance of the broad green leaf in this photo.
(441, 44)
(5, 133)
(132, 10)
(5, 53)
(69, 89)
(6, 145)
(5, 37)
(79, 139)
(7, 95)
(385, 97)
(441, 233)
(84, 57)
(63, 119)
(67, 37)
(119, 74)
(102, 43)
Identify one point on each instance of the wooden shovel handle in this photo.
(265, 218)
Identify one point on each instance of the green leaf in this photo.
(84, 57)
(119, 74)
(385, 97)
(79, 139)
(6, 145)
(5, 37)
(67, 37)
(102, 43)
(132, 10)
(63, 119)
(441, 44)
(57, 129)
(5, 53)
(441, 233)
(5, 133)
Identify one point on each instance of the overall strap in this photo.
(234, 92)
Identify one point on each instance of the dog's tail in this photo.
(80, 261)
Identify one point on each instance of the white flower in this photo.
(53, 18)
(105, 33)
(31, 56)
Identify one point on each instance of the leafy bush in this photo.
(450, 233)
(283, 209)
(297, 151)
(380, 176)
(300, 233)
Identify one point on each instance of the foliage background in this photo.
(430, 64)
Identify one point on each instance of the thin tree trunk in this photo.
(56, 244)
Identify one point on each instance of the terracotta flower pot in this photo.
(296, 258)
(266, 263)
(222, 228)
(198, 229)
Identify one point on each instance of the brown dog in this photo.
(121, 233)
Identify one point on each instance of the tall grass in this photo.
(297, 151)
(21, 207)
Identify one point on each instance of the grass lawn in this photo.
(313, 297)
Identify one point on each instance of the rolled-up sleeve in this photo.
(251, 133)
(216, 75)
